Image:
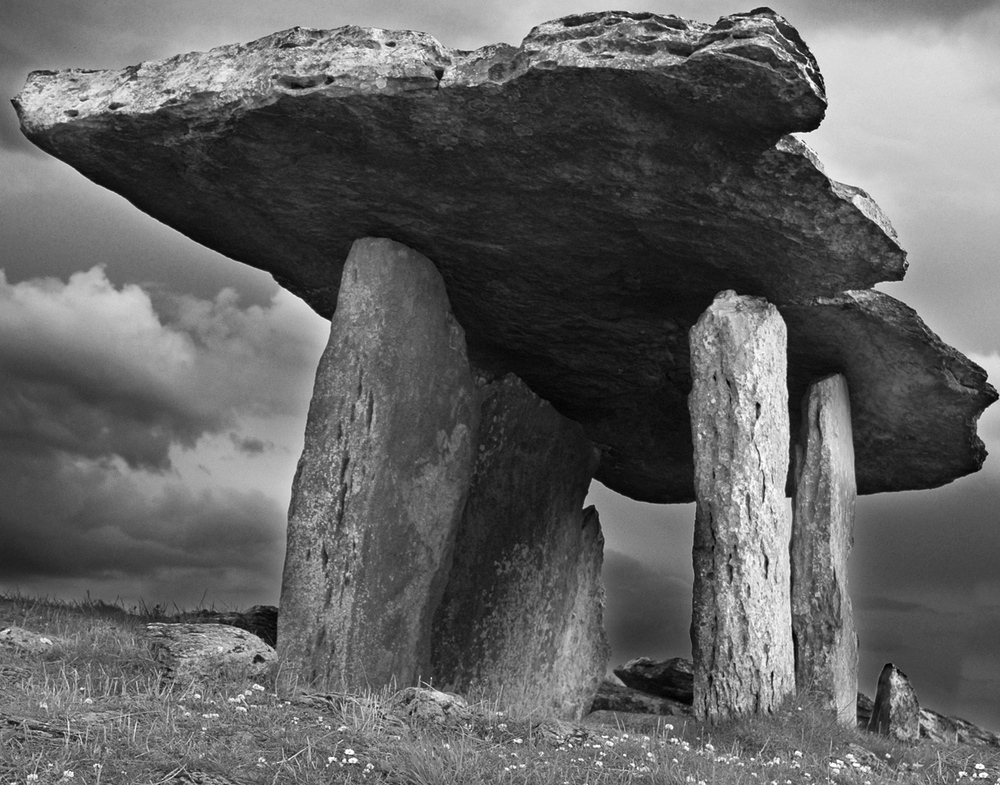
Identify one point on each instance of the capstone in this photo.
(584, 196)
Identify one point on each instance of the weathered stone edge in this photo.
(743, 60)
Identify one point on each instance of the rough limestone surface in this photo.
(522, 614)
(209, 652)
(826, 643)
(741, 626)
(584, 195)
(896, 712)
(672, 678)
(382, 481)
(900, 367)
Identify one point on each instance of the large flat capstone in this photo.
(584, 196)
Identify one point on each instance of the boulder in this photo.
(826, 644)
(954, 730)
(426, 705)
(937, 727)
(584, 196)
(29, 641)
(896, 712)
(383, 479)
(261, 620)
(209, 652)
(522, 614)
(673, 678)
(741, 626)
(615, 697)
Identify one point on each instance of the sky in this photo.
(153, 393)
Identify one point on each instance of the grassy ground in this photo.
(93, 710)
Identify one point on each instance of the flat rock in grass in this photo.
(209, 651)
(425, 704)
(584, 195)
(15, 637)
(261, 620)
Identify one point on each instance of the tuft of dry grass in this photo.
(93, 709)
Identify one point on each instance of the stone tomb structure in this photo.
(516, 247)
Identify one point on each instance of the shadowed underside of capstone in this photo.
(584, 197)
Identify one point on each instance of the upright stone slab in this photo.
(896, 712)
(826, 644)
(382, 482)
(522, 616)
(741, 626)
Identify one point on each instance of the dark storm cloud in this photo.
(948, 539)
(90, 370)
(648, 610)
(97, 388)
(96, 523)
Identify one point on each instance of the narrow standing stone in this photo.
(741, 626)
(522, 616)
(896, 712)
(826, 644)
(382, 481)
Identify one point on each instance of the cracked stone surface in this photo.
(584, 196)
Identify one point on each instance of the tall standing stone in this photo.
(826, 644)
(522, 616)
(382, 482)
(741, 626)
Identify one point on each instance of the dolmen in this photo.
(599, 254)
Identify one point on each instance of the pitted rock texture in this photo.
(741, 631)
(896, 711)
(826, 643)
(383, 478)
(522, 614)
(584, 195)
(673, 678)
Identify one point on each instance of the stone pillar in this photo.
(522, 616)
(826, 644)
(382, 482)
(741, 625)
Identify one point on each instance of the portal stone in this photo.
(826, 644)
(896, 712)
(383, 478)
(522, 615)
(741, 625)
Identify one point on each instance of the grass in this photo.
(92, 709)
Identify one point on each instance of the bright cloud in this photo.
(111, 399)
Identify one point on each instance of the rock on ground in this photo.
(896, 712)
(624, 699)
(209, 652)
(672, 678)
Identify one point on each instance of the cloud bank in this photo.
(106, 395)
